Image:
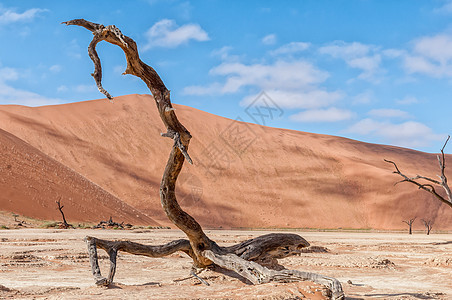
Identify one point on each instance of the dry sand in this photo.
(53, 264)
(244, 175)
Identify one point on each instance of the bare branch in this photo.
(428, 187)
(112, 248)
(177, 143)
(97, 75)
(447, 140)
(426, 178)
(442, 165)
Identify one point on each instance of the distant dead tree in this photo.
(428, 225)
(410, 223)
(427, 185)
(242, 258)
(65, 224)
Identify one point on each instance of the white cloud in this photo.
(369, 65)
(62, 88)
(446, 8)
(331, 114)
(419, 64)
(85, 88)
(55, 68)
(432, 55)
(73, 49)
(166, 33)
(81, 88)
(365, 97)
(311, 99)
(290, 84)
(224, 54)
(291, 48)
(269, 39)
(8, 74)
(389, 113)
(407, 134)
(346, 51)
(393, 53)
(212, 89)
(12, 95)
(279, 75)
(356, 55)
(438, 47)
(8, 16)
(407, 100)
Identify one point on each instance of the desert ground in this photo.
(53, 264)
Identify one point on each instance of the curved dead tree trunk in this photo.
(199, 247)
(65, 224)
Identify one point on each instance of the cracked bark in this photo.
(199, 247)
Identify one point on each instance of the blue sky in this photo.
(375, 71)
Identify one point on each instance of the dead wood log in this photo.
(112, 248)
(203, 250)
(111, 224)
(429, 186)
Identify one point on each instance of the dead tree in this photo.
(410, 223)
(64, 224)
(427, 185)
(428, 225)
(204, 252)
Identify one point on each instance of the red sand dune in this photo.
(31, 182)
(244, 175)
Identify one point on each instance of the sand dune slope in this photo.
(31, 182)
(244, 175)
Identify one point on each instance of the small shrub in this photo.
(50, 225)
(84, 226)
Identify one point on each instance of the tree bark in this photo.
(199, 247)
